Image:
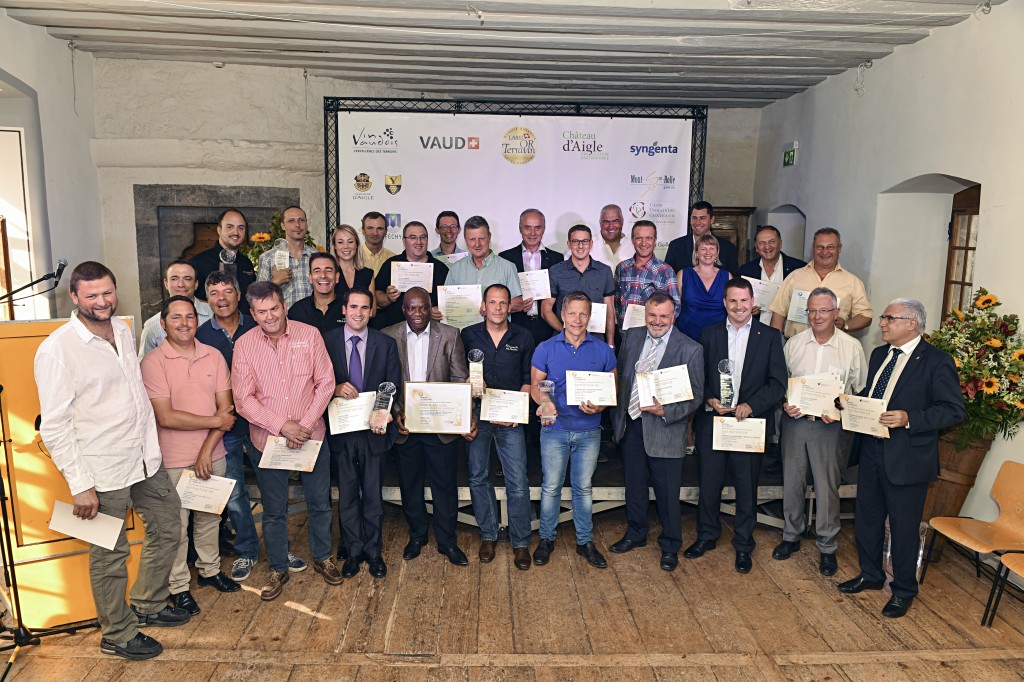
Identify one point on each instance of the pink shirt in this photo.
(292, 381)
(192, 386)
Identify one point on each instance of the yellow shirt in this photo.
(374, 261)
(853, 299)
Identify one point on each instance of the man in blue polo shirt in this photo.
(576, 431)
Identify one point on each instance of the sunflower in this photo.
(985, 301)
(1018, 354)
(1013, 376)
(959, 315)
(1019, 405)
(994, 343)
(957, 362)
(989, 385)
(259, 237)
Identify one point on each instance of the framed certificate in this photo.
(347, 416)
(460, 305)
(535, 284)
(405, 276)
(734, 435)
(277, 455)
(435, 407)
(598, 318)
(597, 388)
(510, 407)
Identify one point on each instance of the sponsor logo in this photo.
(451, 142)
(653, 149)
(375, 142)
(638, 210)
(393, 221)
(363, 183)
(653, 180)
(584, 144)
(519, 145)
(393, 183)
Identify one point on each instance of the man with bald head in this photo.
(612, 248)
(224, 256)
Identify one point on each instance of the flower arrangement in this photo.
(261, 242)
(989, 356)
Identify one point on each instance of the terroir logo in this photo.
(653, 149)
(381, 140)
(519, 145)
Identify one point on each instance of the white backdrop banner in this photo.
(412, 166)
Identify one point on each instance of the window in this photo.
(963, 243)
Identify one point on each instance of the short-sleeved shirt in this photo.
(555, 357)
(192, 385)
(305, 310)
(386, 317)
(596, 281)
(153, 334)
(636, 284)
(853, 298)
(842, 353)
(507, 365)
(496, 270)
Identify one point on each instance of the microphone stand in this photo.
(44, 278)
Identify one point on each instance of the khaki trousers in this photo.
(205, 535)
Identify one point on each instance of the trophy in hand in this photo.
(725, 370)
(548, 413)
(382, 407)
(227, 262)
(476, 372)
(281, 255)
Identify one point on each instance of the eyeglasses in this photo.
(447, 228)
(820, 311)
(416, 238)
(890, 318)
(580, 242)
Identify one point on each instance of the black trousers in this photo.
(878, 498)
(424, 457)
(665, 476)
(360, 498)
(711, 468)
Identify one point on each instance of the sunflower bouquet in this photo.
(989, 356)
(261, 242)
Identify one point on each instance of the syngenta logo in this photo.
(652, 149)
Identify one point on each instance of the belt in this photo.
(810, 417)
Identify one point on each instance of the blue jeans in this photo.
(512, 453)
(239, 509)
(556, 449)
(274, 488)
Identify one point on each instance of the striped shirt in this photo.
(292, 381)
(636, 284)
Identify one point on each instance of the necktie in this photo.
(883, 378)
(355, 365)
(647, 364)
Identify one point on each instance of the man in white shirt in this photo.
(612, 249)
(814, 441)
(98, 425)
(773, 265)
(179, 280)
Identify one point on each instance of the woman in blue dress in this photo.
(702, 289)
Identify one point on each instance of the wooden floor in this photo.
(568, 621)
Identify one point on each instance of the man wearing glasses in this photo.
(580, 272)
(447, 228)
(824, 271)
(389, 298)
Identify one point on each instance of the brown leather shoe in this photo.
(328, 569)
(275, 584)
(487, 551)
(522, 558)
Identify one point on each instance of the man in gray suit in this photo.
(428, 351)
(652, 438)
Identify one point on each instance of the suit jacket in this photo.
(928, 390)
(680, 254)
(662, 437)
(752, 268)
(764, 377)
(381, 365)
(540, 329)
(446, 360)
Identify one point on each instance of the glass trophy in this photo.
(476, 372)
(725, 370)
(382, 407)
(548, 413)
(281, 255)
(227, 262)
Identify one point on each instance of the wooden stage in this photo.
(568, 621)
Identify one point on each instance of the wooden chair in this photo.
(1005, 534)
(1010, 562)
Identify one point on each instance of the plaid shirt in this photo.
(635, 285)
(299, 286)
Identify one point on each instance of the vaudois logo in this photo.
(450, 142)
(384, 139)
(652, 149)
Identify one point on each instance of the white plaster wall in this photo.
(948, 104)
(731, 156)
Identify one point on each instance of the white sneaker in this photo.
(295, 564)
(241, 568)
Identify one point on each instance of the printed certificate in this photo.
(668, 385)
(597, 388)
(815, 394)
(636, 316)
(764, 292)
(536, 284)
(861, 415)
(435, 407)
(460, 304)
(598, 318)
(510, 407)
(738, 436)
(278, 455)
(798, 306)
(346, 416)
(282, 259)
(405, 276)
(210, 495)
(102, 530)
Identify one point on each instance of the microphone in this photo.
(61, 264)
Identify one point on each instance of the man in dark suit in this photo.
(231, 234)
(773, 265)
(428, 351)
(650, 438)
(921, 388)
(532, 255)
(758, 380)
(680, 249)
(363, 359)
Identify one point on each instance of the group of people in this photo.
(240, 358)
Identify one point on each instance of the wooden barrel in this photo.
(957, 471)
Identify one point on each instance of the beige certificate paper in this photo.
(597, 388)
(669, 385)
(405, 276)
(102, 530)
(738, 436)
(460, 304)
(347, 416)
(598, 318)
(511, 407)
(798, 306)
(278, 455)
(535, 284)
(209, 495)
(636, 316)
(861, 415)
(815, 394)
(438, 407)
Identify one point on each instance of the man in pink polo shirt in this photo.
(190, 387)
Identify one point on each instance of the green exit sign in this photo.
(789, 154)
